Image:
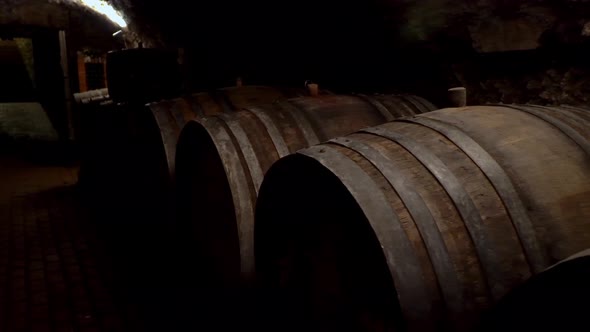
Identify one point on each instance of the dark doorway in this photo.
(95, 76)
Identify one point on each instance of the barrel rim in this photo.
(262, 235)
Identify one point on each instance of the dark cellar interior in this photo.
(356, 165)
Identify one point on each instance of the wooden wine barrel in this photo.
(221, 161)
(422, 223)
(133, 145)
(137, 176)
(172, 115)
(554, 300)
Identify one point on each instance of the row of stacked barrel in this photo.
(421, 223)
(250, 127)
(421, 220)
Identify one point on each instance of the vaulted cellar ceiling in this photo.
(180, 22)
(412, 45)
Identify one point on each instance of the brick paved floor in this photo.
(55, 274)
(72, 261)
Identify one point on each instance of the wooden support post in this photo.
(66, 82)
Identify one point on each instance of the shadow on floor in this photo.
(71, 260)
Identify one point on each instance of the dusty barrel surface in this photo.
(171, 115)
(554, 300)
(422, 223)
(221, 161)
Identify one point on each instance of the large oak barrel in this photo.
(221, 161)
(422, 223)
(171, 115)
(136, 143)
(554, 300)
(132, 145)
(133, 191)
